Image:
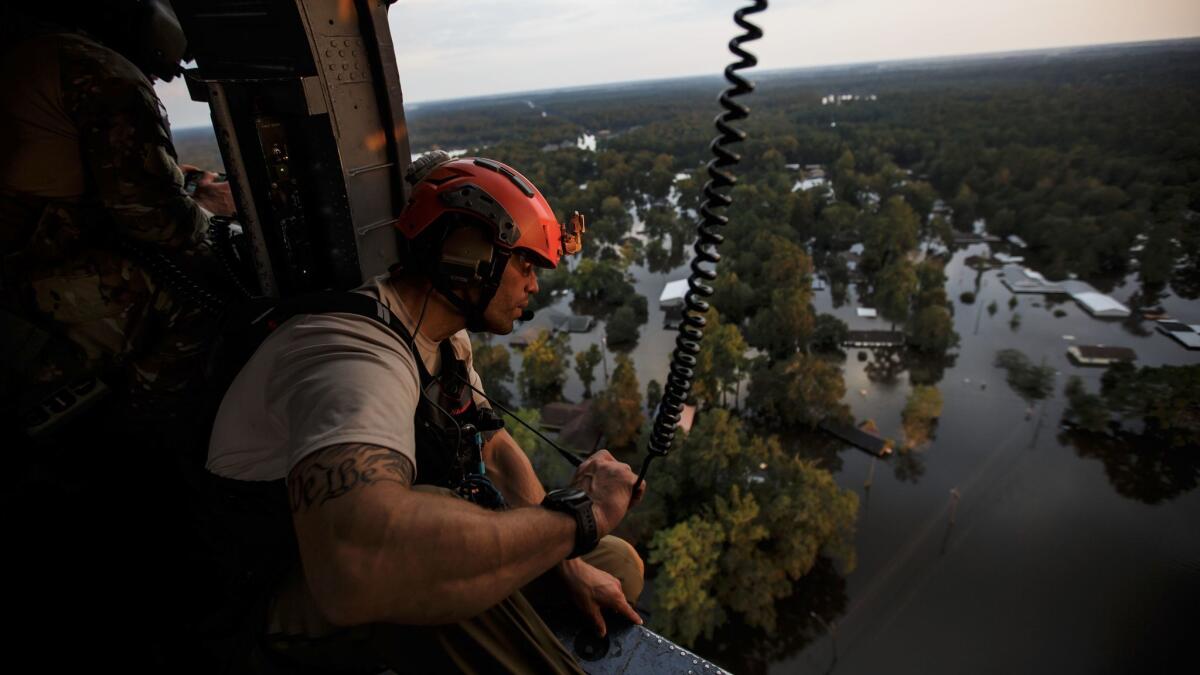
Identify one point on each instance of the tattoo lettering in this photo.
(337, 470)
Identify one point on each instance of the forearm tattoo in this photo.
(337, 470)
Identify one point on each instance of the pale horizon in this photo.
(448, 51)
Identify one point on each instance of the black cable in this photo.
(165, 272)
(416, 352)
(571, 457)
(223, 244)
(691, 330)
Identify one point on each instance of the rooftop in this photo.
(873, 338)
(1099, 304)
(1100, 354)
(673, 293)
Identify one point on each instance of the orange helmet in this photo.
(494, 193)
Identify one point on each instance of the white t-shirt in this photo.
(326, 379)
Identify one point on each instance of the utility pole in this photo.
(604, 357)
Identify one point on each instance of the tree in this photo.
(890, 235)
(621, 329)
(932, 330)
(893, 290)
(687, 556)
(494, 366)
(784, 325)
(551, 468)
(1086, 409)
(543, 369)
(619, 407)
(829, 334)
(801, 391)
(920, 414)
(732, 297)
(654, 394)
(1032, 383)
(720, 361)
(1165, 398)
(738, 545)
(585, 367)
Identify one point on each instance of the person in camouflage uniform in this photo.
(92, 205)
(90, 194)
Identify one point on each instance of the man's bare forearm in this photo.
(510, 470)
(376, 550)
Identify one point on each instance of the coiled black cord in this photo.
(691, 330)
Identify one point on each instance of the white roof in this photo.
(867, 312)
(673, 292)
(1014, 239)
(1033, 274)
(1189, 340)
(1098, 303)
(808, 184)
(1006, 258)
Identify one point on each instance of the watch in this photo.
(577, 504)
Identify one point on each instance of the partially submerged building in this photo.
(1100, 355)
(873, 338)
(1184, 334)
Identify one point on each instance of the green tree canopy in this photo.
(801, 391)
(543, 369)
(1033, 383)
(494, 366)
(551, 468)
(585, 367)
(749, 520)
(920, 414)
(621, 329)
(1166, 398)
(619, 407)
(720, 362)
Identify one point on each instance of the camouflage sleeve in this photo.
(126, 147)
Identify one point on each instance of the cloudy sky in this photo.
(458, 48)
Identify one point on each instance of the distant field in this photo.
(198, 146)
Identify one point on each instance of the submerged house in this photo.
(1099, 355)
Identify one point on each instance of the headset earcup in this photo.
(464, 260)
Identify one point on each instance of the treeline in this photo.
(1078, 154)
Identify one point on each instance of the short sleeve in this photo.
(342, 379)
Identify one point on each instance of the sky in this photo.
(448, 49)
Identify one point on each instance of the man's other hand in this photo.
(610, 484)
(211, 193)
(594, 590)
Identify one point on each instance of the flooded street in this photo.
(1057, 560)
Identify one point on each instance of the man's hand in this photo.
(594, 590)
(610, 484)
(214, 195)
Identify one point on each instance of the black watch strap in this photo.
(577, 504)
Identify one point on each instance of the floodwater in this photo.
(1060, 555)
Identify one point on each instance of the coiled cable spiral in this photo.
(691, 330)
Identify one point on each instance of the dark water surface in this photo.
(1065, 555)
